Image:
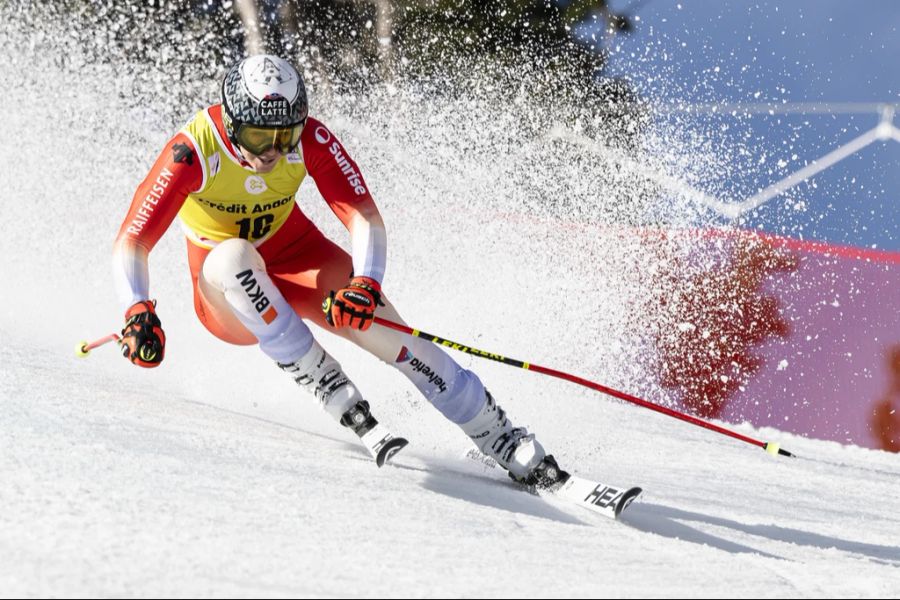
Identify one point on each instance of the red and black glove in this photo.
(353, 306)
(143, 340)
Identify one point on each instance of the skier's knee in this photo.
(229, 258)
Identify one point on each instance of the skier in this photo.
(259, 265)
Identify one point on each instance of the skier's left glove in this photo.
(143, 340)
(353, 306)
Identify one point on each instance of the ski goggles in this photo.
(259, 139)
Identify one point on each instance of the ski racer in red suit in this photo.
(259, 266)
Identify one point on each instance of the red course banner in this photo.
(800, 336)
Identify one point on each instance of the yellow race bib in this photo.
(234, 201)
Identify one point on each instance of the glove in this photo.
(353, 306)
(143, 340)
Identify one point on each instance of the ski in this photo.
(592, 495)
(381, 444)
(374, 436)
(595, 496)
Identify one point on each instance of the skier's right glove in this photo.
(143, 340)
(353, 306)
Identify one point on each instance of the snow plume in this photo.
(519, 222)
(523, 205)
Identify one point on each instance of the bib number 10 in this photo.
(255, 228)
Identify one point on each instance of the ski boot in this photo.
(323, 377)
(545, 476)
(513, 448)
(376, 438)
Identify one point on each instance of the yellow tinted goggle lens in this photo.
(259, 139)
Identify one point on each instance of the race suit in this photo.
(201, 177)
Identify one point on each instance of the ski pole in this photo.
(772, 448)
(84, 348)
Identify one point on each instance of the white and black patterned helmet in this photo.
(263, 91)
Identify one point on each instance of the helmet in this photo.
(265, 104)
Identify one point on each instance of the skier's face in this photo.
(262, 163)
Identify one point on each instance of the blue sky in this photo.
(797, 51)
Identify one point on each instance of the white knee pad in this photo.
(235, 269)
(229, 258)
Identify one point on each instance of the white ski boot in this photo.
(513, 448)
(321, 375)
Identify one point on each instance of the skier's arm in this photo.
(342, 186)
(176, 173)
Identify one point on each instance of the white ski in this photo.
(595, 496)
(381, 444)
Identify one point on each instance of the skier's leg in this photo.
(456, 392)
(211, 306)
(239, 303)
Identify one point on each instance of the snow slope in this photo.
(117, 488)
(214, 476)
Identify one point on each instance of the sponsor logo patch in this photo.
(214, 164)
(404, 356)
(604, 496)
(154, 195)
(257, 296)
(274, 106)
(323, 136)
(255, 184)
(353, 178)
(182, 153)
(420, 367)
